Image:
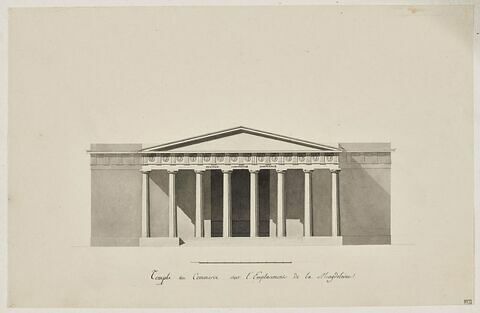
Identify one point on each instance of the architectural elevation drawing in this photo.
(240, 186)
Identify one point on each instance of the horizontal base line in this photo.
(242, 262)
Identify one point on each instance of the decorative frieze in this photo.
(214, 160)
(292, 160)
(242, 159)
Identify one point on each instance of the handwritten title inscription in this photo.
(162, 278)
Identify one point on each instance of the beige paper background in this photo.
(326, 74)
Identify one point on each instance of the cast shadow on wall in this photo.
(365, 205)
(185, 197)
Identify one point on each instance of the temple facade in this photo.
(240, 186)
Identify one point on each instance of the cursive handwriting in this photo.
(255, 276)
(159, 277)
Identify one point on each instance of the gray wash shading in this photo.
(364, 198)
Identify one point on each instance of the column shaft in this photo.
(145, 204)
(308, 204)
(199, 204)
(227, 204)
(335, 205)
(280, 204)
(172, 206)
(254, 217)
(207, 204)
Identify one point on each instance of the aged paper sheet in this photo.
(397, 74)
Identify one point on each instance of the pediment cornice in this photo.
(240, 140)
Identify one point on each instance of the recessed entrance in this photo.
(240, 184)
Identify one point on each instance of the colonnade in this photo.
(227, 203)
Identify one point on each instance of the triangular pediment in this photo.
(240, 139)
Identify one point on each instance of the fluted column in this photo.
(307, 223)
(254, 203)
(172, 205)
(145, 204)
(199, 203)
(280, 203)
(335, 203)
(227, 203)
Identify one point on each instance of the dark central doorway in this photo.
(240, 203)
(240, 187)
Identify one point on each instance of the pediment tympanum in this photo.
(241, 139)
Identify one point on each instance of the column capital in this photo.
(199, 170)
(145, 169)
(172, 171)
(307, 170)
(335, 170)
(253, 170)
(227, 170)
(281, 170)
